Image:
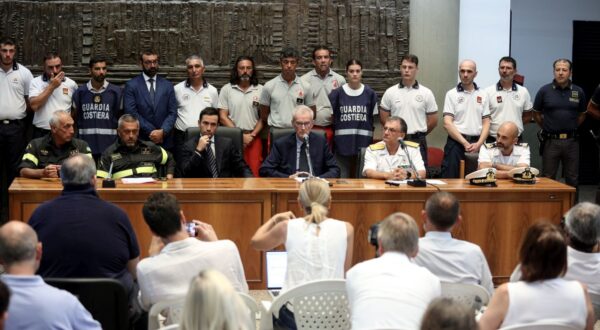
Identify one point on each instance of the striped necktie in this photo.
(212, 161)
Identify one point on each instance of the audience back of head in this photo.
(18, 243)
(442, 210)
(582, 226)
(399, 233)
(78, 170)
(162, 213)
(213, 304)
(543, 253)
(447, 314)
(314, 196)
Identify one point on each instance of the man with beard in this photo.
(193, 95)
(151, 99)
(238, 107)
(131, 157)
(506, 153)
(97, 107)
(508, 101)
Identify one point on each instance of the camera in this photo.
(372, 235)
(191, 229)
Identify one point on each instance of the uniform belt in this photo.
(416, 135)
(471, 138)
(559, 136)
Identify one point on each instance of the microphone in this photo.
(417, 181)
(310, 168)
(109, 182)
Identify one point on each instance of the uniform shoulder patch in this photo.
(490, 145)
(377, 146)
(411, 144)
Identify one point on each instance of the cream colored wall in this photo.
(434, 26)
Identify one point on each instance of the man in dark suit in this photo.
(302, 153)
(151, 99)
(211, 156)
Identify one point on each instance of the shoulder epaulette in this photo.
(490, 145)
(377, 146)
(411, 144)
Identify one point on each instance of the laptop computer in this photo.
(276, 266)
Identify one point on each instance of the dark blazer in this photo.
(161, 114)
(281, 162)
(230, 163)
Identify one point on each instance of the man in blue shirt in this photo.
(33, 303)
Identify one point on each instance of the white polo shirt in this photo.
(242, 106)
(321, 88)
(191, 102)
(282, 98)
(14, 86)
(60, 99)
(508, 105)
(411, 103)
(378, 158)
(491, 154)
(468, 109)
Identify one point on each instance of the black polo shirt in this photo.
(42, 151)
(560, 106)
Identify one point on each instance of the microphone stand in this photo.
(310, 168)
(417, 181)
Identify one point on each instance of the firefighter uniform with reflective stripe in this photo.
(42, 152)
(143, 160)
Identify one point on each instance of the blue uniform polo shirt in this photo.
(560, 106)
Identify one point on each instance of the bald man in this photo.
(506, 153)
(33, 303)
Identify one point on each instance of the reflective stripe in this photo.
(31, 158)
(353, 131)
(101, 131)
(138, 170)
(164, 156)
(102, 174)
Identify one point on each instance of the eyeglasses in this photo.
(306, 124)
(151, 62)
(391, 130)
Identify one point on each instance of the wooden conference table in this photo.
(494, 218)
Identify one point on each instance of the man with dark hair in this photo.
(509, 101)
(322, 81)
(14, 93)
(390, 292)
(283, 93)
(193, 95)
(238, 107)
(450, 259)
(97, 107)
(35, 304)
(559, 108)
(151, 99)
(177, 255)
(43, 156)
(83, 235)
(389, 158)
(211, 156)
(413, 102)
(50, 92)
(131, 157)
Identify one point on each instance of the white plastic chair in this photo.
(472, 295)
(321, 304)
(173, 309)
(540, 326)
(596, 302)
(251, 304)
(170, 327)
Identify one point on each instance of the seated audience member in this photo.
(33, 303)
(389, 159)
(4, 300)
(43, 156)
(210, 155)
(450, 259)
(302, 153)
(582, 228)
(390, 292)
(131, 157)
(506, 153)
(83, 235)
(213, 304)
(175, 257)
(447, 314)
(542, 295)
(318, 247)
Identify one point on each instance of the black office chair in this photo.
(470, 163)
(104, 298)
(360, 163)
(234, 133)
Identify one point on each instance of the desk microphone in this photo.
(417, 181)
(310, 168)
(109, 182)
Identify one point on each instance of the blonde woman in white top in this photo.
(318, 247)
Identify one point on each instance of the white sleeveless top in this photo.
(311, 257)
(550, 301)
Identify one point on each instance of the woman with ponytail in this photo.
(318, 247)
